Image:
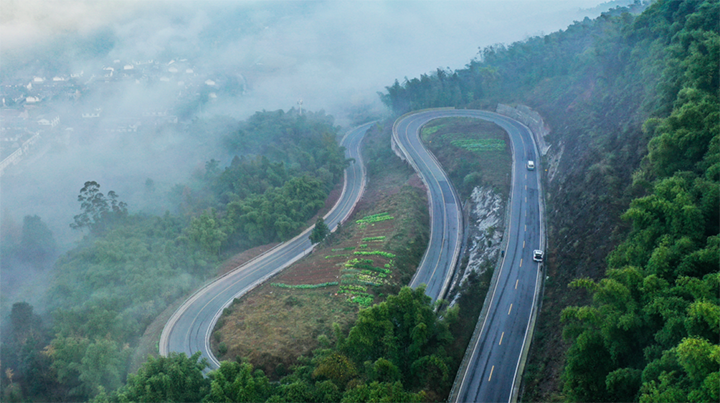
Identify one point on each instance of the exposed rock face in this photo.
(485, 231)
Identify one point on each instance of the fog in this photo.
(329, 54)
(193, 62)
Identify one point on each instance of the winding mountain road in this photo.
(189, 328)
(438, 263)
(493, 357)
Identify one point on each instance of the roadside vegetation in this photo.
(370, 362)
(369, 258)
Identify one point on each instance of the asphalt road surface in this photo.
(495, 356)
(438, 263)
(189, 329)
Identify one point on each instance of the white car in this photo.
(530, 165)
(538, 255)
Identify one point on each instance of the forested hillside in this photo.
(653, 329)
(632, 103)
(131, 266)
(631, 310)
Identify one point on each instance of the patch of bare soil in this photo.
(148, 344)
(416, 182)
(271, 326)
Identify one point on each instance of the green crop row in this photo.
(304, 286)
(374, 238)
(338, 255)
(372, 268)
(375, 218)
(348, 276)
(375, 252)
(362, 301)
(362, 266)
(375, 215)
(341, 249)
(370, 278)
(355, 261)
(371, 273)
(353, 288)
(480, 145)
(369, 283)
(353, 292)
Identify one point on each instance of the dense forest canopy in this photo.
(653, 329)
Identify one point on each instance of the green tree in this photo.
(404, 330)
(24, 323)
(236, 382)
(175, 378)
(381, 393)
(337, 368)
(21, 345)
(87, 367)
(98, 211)
(320, 231)
(206, 232)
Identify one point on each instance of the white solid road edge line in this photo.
(170, 324)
